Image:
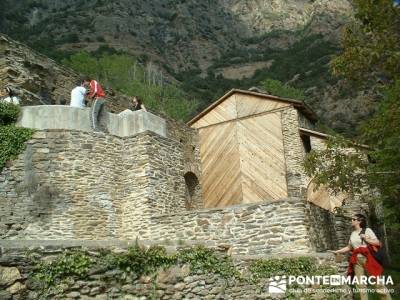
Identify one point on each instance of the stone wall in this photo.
(334, 233)
(77, 185)
(317, 144)
(89, 185)
(189, 139)
(176, 282)
(166, 180)
(294, 152)
(328, 230)
(304, 122)
(276, 227)
(86, 185)
(126, 124)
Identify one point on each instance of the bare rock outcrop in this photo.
(37, 79)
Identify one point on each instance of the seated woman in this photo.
(137, 104)
(9, 96)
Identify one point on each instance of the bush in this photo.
(209, 261)
(285, 266)
(298, 266)
(277, 88)
(140, 261)
(72, 264)
(12, 139)
(8, 113)
(12, 142)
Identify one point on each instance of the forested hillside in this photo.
(196, 51)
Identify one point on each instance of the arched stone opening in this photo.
(192, 190)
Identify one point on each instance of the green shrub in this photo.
(209, 261)
(140, 261)
(70, 264)
(285, 266)
(8, 113)
(12, 139)
(12, 142)
(277, 88)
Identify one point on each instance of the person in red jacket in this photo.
(362, 262)
(96, 97)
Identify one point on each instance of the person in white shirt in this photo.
(10, 97)
(78, 95)
(359, 238)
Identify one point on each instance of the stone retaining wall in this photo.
(176, 282)
(274, 227)
(285, 226)
(79, 185)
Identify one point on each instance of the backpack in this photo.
(378, 252)
(94, 85)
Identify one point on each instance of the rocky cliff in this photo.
(38, 79)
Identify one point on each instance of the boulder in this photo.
(8, 276)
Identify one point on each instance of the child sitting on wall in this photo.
(9, 96)
(138, 104)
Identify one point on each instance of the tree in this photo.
(371, 42)
(277, 88)
(371, 49)
(374, 163)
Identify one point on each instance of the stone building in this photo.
(151, 178)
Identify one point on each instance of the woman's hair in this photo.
(9, 91)
(362, 219)
(138, 100)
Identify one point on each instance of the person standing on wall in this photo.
(362, 261)
(96, 97)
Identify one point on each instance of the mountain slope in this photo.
(182, 34)
(208, 46)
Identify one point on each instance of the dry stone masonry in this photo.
(89, 185)
(294, 153)
(74, 188)
(243, 226)
(80, 185)
(176, 282)
(73, 184)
